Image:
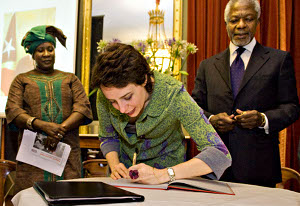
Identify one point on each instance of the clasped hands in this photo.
(223, 122)
(55, 133)
(146, 173)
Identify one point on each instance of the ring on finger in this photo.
(134, 174)
(60, 136)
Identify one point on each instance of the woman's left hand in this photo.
(51, 143)
(146, 174)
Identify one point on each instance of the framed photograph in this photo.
(19, 16)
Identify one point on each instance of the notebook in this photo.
(70, 193)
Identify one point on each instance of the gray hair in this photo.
(232, 2)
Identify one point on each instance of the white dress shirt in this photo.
(245, 55)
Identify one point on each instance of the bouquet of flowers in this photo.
(177, 49)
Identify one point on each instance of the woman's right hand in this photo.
(50, 128)
(119, 171)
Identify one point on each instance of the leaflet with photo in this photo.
(32, 151)
(40, 150)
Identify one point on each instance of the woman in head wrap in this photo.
(47, 101)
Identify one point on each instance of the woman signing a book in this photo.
(47, 101)
(140, 112)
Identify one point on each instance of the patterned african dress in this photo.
(157, 135)
(52, 99)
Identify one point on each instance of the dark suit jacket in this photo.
(268, 86)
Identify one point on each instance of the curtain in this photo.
(206, 29)
(293, 45)
(279, 28)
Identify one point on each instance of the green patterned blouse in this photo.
(159, 139)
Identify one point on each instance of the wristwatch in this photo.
(171, 174)
(263, 121)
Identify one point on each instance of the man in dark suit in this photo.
(249, 94)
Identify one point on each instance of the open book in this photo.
(194, 184)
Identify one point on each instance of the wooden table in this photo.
(248, 195)
(90, 141)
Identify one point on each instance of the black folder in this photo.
(79, 193)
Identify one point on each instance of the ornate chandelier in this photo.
(158, 48)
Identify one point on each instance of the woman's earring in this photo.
(34, 64)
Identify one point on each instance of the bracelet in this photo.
(263, 120)
(29, 122)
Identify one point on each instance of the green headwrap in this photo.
(41, 34)
(36, 36)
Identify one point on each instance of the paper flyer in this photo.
(33, 152)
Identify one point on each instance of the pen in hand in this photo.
(134, 174)
(134, 159)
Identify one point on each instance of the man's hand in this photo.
(249, 119)
(222, 122)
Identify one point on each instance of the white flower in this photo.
(191, 48)
(101, 45)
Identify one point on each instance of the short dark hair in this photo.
(119, 65)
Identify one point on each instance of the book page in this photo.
(127, 183)
(193, 184)
(199, 183)
(33, 152)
